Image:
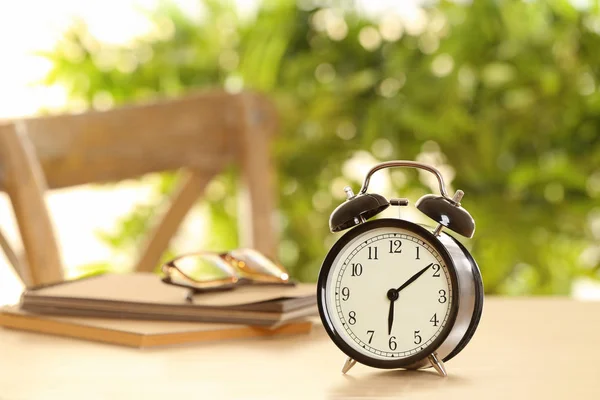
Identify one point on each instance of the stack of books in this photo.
(139, 310)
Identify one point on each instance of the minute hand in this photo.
(413, 278)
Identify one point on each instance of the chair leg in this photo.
(23, 180)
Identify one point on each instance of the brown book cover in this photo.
(145, 296)
(139, 333)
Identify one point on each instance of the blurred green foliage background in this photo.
(501, 95)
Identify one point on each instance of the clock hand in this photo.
(391, 317)
(393, 295)
(413, 278)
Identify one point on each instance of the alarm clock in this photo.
(396, 294)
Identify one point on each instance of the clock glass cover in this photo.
(389, 293)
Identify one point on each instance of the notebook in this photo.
(139, 333)
(143, 296)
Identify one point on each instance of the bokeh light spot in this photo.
(325, 73)
(594, 222)
(145, 53)
(290, 187)
(337, 28)
(415, 20)
(319, 19)
(311, 129)
(229, 60)
(105, 59)
(430, 146)
(399, 178)
(390, 27)
(586, 84)
(346, 130)
(321, 201)
(442, 65)
(497, 74)
(215, 190)
(518, 99)
(389, 87)
(382, 148)
(466, 77)
(369, 38)
(127, 63)
(165, 28)
(428, 43)
(337, 188)
(102, 100)
(72, 52)
(329, 21)
(234, 84)
(593, 184)
(288, 252)
(438, 23)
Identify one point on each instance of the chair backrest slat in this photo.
(195, 131)
(201, 133)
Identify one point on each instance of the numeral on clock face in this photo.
(395, 246)
(352, 317)
(418, 338)
(372, 253)
(356, 269)
(434, 320)
(345, 293)
(443, 297)
(370, 333)
(392, 343)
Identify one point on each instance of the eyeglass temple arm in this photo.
(405, 164)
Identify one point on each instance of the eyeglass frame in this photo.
(235, 281)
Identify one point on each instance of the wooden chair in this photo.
(200, 134)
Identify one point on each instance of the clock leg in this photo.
(437, 364)
(348, 364)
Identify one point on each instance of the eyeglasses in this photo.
(210, 271)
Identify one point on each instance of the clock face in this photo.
(387, 292)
